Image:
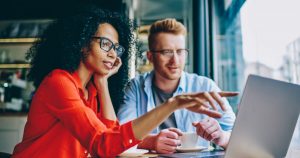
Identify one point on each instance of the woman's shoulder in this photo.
(58, 75)
(57, 82)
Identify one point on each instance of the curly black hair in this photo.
(60, 46)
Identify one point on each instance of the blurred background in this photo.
(227, 39)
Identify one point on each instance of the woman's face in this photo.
(98, 60)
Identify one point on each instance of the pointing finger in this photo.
(218, 98)
(210, 99)
(228, 94)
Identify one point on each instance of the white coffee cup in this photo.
(189, 140)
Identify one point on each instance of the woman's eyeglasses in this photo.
(106, 45)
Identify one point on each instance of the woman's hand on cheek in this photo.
(116, 67)
(102, 79)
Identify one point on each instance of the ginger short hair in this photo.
(165, 26)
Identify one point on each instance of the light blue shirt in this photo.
(138, 100)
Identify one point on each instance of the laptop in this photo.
(265, 122)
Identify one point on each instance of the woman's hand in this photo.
(203, 102)
(115, 68)
(101, 84)
(102, 79)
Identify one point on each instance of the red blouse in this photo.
(61, 123)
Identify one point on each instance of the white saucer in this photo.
(133, 153)
(190, 149)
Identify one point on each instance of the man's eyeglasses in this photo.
(170, 53)
(106, 45)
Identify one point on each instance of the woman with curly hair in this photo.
(71, 113)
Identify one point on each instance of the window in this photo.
(229, 64)
(256, 37)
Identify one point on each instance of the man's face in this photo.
(166, 66)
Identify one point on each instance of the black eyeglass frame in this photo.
(117, 47)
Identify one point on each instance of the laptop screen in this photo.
(266, 120)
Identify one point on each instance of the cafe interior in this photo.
(227, 40)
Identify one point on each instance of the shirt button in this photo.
(130, 141)
(85, 152)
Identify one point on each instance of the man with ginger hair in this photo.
(167, 52)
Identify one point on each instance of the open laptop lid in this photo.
(266, 120)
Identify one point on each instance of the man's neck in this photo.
(166, 85)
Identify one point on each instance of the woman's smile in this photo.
(108, 64)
